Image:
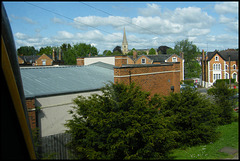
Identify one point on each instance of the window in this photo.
(43, 61)
(216, 76)
(235, 76)
(143, 61)
(226, 76)
(226, 67)
(216, 66)
(234, 66)
(216, 58)
(174, 59)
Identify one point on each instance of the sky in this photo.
(209, 25)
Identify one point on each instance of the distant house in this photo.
(215, 65)
(41, 60)
(135, 59)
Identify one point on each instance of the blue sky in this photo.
(209, 25)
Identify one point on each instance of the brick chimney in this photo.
(203, 55)
(182, 55)
(60, 54)
(53, 55)
(134, 55)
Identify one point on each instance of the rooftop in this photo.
(46, 81)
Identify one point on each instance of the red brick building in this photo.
(155, 78)
(215, 65)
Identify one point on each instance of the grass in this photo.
(228, 137)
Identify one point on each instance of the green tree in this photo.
(152, 52)
(26, 51)
(107, 53)
(78, 50)
(170, 51)
(192, 115)
(192, 68)
(46, 50)
(117, 50)
(119, 124)
(223, 99)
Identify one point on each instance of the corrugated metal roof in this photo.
(46, 81)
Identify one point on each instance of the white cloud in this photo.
(231, 23)
(25, 19)
(57, 20)
(151, 10)
(64, 35)
(226, 7)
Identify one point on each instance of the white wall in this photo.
(108, 60)
(54, 112)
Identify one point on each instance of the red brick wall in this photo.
(31, 112)
(80, 61)
(156, 79)
(49, 61)
(120, 60)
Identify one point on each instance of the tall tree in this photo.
(191, 66)
(26, 50)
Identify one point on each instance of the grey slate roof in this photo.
(46, 81)
(224, 55)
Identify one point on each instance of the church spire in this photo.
(124, 43)
(124, 38)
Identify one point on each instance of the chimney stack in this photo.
(203, 55)
(182, 54)
(60, 54)
(134, 55)
(53, 55)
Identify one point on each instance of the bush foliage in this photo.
(192, 115)
(125, 123)
(121, 123)
(223, 98)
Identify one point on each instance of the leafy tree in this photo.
(78, 50)
(152, 52)
(191, 66)
(46, 50)
(170, 51)
(122, 123)
(162, 49)
(107, 53)
(26, 51)
(117, 50)
(223, 98)
(192, 115)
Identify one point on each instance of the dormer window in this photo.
(216, 58)
(143, 61)
(174, 59)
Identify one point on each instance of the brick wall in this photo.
(31, 112)
(156, 79)
(120, 60)
(39, 61)
(80, 61)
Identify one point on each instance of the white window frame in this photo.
(174, 59)
(144, 61)
(216, 58)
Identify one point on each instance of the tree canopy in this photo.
(191, 66)
(26, 51)
(152, 52)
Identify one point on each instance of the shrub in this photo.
(192, 115)
(223, 98)
(122, 123)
